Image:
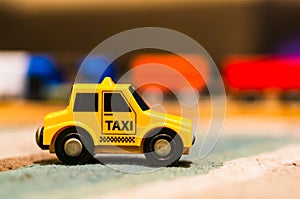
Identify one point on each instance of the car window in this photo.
(139, 99)
(86, 102)
(115, 102)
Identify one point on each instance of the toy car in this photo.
(113, 118)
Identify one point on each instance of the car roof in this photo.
(107, 83)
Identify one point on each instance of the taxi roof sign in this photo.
(107, 81)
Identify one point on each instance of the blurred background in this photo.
(255, 44)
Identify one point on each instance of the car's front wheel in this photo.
(163, 148)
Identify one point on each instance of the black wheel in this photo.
(163, 148)
(74, 146)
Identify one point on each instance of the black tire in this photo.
(163, 160)
(86, 141)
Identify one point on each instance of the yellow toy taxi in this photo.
(113, 118)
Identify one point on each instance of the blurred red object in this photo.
(169, 72)
(262, 73)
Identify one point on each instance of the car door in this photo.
(118, 117)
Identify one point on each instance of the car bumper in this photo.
(39, 138)
(194, 139)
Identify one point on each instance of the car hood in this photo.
(170, 119)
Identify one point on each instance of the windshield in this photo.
(138, 99)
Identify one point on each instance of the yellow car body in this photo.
(116, 119)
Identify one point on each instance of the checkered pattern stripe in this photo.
(117, 139)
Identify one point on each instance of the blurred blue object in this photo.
(94, 69)
(43, 67)
(42, 73)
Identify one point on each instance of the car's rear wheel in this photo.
(163, 148)
(74, 146)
